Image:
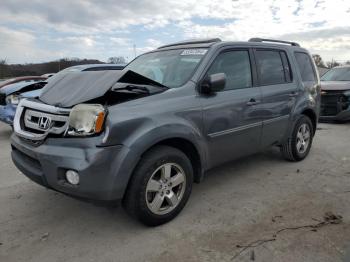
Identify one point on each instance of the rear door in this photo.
(231, 117)
(279, 93)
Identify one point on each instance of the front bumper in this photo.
(341, 116)
(7, 113)
(104, 171)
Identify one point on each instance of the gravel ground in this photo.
(243, 203)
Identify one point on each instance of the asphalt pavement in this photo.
(259, 208)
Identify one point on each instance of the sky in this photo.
(45, 30)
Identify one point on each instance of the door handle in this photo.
(252, 102)
(293, 94)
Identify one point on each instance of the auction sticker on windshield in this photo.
(194, 52)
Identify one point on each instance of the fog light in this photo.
(72, 177)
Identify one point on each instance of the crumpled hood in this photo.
(71, 88)
(335, 85)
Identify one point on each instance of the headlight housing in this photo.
(86, 120)
(12, 99)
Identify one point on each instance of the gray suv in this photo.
(145, 134)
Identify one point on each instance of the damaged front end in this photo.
(59, 137)
(77, 107)
(335, 102)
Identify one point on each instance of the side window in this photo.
(270, 67)
(305, 67)
(236, 66)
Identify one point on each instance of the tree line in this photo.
(330, 64)
(15, 70)
(35, 69)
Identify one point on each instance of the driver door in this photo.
(232, 123)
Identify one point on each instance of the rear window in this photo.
(305, 67)
(273, 67)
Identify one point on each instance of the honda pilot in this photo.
(145, 134)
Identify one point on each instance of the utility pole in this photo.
(134, 50)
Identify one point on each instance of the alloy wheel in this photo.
(303, 138)
(165, 188)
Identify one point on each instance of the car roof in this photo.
(217, 43)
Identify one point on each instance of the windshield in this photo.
(337, 74)
(172, 68)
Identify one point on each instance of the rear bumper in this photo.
(7, 114)
(104, 171)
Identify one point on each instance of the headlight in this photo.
(85, 120)
(12, 99)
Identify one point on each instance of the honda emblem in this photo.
(44, 123)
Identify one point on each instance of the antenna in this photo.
(134, 50)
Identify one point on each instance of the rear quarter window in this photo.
(306, 68)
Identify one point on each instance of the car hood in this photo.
(71, 88)
(21, 87)
(335, 85)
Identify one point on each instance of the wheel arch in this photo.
(189, 149)
(312, 115)
(302, 110)
(185, 139)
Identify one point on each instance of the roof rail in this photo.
(273, 41)
(193, 41)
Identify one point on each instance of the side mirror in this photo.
(213, 83)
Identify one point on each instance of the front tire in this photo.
(160, 186)
(299, 144)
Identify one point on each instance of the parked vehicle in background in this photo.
(7, 112)
(322, 70)
(21, 79)
(335, 102)
(145, 134)
(11, 95)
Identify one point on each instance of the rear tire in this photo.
(160, 186)
(299, 144)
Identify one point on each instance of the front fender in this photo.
(148, 134)
(144, 141)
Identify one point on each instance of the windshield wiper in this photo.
(138, 79)
(133, 88)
